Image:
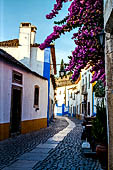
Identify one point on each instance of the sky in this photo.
(13, 12)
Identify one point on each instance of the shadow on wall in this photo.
(36, 66)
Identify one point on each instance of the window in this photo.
(88, 108)
(82, 108)
(36, 97)
(77, 109)
(82, 81)
(89, 81)
(71, 95)
(16, 77)
(86, 82)
(74, 96)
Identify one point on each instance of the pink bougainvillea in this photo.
(87, 15)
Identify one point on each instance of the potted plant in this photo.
(99, 128)
(99, 89)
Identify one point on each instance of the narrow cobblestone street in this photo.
(67, 155)
(12, 148)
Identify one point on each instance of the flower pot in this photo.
(101, 151)
(102, 154)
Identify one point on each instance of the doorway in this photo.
(16, 98)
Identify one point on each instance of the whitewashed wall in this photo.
(62, 90)
(37, 60)
(60, 94)
(14, 51)
(84, 74)
(28, 97)
(5, 92)
(51, 90)
(29, 81)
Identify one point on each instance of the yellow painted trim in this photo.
(4, 131)
(33, 125)
(94, 82)
(80, 76)
(26, 127)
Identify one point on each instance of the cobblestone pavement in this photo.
(12, 148)
(68, 155)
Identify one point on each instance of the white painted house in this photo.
(62, 94)
(88, 98)
(28, 52)
(75, 99)
(23, 98)
(81, 96)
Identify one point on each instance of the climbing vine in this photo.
(87, 16)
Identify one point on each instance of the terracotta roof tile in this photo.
(10, 43)
(15, 43)
(35, 45)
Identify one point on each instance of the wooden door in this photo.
(16, 110)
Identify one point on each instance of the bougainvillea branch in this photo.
(62, 21)
(57, 7)
(87, 15)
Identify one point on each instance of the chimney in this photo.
(33, 33)
(26, 38)
(24, 43)
(24, 34)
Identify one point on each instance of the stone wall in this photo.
(109, 94)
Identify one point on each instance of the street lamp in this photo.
(62, 73)
(101, 38)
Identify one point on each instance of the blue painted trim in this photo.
(93, 106)
(46, 74)
(68, 106)
(63, 110)
(63, 105)
(93, 102)
(94, 114)
(69, 114)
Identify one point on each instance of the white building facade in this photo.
(62, 94)
(87, 92)
(28, 52)
(82, 100)
(23, 98)
(75, 99)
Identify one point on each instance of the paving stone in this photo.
(67, 155)
(51, 142)
(12, 148)
(22, 165)
(40, 150)
(45, 145)
(19, 168)
(61, 152)
(57, 138)
(33, 156)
